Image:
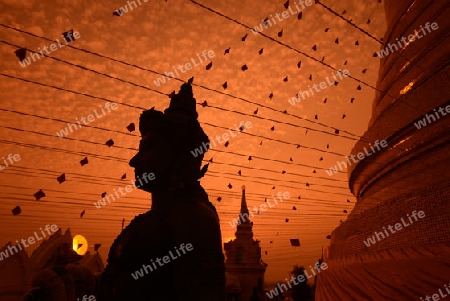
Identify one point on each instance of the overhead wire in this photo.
(180, 80)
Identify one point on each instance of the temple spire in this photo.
(244, 228)
(244, 208)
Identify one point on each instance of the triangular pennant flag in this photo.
(131, 127)
(84, 161)
(39, 195)
(68, 36)
(61, 178)
(21, 53)
(295, 242)
(16, 210)
(109, 143)
(118, 13)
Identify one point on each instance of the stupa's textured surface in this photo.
(412, 173)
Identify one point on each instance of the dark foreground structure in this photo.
(403, 190)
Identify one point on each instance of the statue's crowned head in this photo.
(169, 143)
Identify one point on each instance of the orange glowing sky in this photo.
(156, 36)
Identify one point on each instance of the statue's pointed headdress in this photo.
(179, 125)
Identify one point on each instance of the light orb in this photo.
(80, 244)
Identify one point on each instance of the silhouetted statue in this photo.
(156, 244)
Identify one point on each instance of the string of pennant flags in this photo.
(21, 53)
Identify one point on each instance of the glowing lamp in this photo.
(80, 244)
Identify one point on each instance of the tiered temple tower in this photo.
(243, 257)
(410, 176)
